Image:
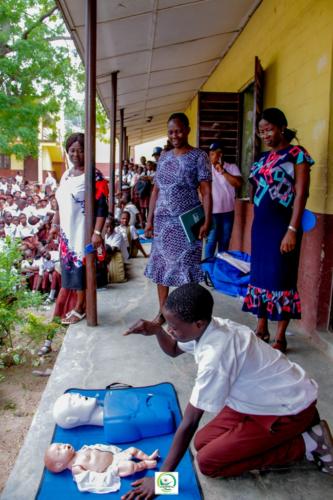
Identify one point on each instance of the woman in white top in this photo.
(69, 220)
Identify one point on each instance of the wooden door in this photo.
(30, 169)
(219, 120)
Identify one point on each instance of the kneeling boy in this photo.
(265, 404)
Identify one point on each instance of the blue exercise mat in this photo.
(55, 486)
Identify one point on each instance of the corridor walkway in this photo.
(95, 357)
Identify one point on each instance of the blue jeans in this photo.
(220, 233)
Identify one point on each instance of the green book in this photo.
(191, 222)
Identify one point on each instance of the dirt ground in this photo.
(20, 393)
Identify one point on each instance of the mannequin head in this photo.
(72, 410)
(58, 457)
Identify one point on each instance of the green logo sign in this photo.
(166, 483)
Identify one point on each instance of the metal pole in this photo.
(89, 154)
(124, 156)
(125, 142)
(113, 126)
(121, 146)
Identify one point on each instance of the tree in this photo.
(38, 70)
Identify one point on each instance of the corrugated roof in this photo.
(164, 51)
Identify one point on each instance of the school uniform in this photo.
(263, 401)
(116, 240)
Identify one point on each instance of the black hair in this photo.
(77, 137)
(191, 302)
(277, 117)
(181, 117)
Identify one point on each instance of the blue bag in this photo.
(224, 277)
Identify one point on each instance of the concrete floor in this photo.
(95, 357)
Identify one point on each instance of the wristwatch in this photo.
(97, 232)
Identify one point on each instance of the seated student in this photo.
(126, 204)
(265, 404)
(48, 270)
(54, 290)
(10, 228)
(24, 229)
(114, 240)
(16, 222)
(2, 229)
(10, 205)
(130, 235)
(26, 263)
(38, 268)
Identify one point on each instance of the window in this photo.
(4, 161)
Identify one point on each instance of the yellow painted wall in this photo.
(46, 159)
(16, 164)
(192, 114)
(293, 40)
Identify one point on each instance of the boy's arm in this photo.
(144, 488)
(166, 342)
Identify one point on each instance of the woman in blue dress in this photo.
(280, 180)
(180, 173)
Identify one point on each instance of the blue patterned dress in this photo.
(272, 292)
(173, 260)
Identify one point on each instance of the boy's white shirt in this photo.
(238, 370)
(123, 231)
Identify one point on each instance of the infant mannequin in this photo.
(71, 410)
(98, 468)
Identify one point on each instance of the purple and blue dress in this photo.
(272, 292)
(173, 260)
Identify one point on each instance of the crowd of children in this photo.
(26, 212)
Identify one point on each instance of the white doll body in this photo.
(98, 460)
(98, 468)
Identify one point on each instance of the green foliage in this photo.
(39, 68)
(74, 119)
(14, 296)
(15, 301)
(38, 329)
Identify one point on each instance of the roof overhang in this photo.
(163, 50)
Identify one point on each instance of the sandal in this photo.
(46, 348)
(49, 301)
(264, 336)
(73, 317)
(280, 345)
(324, 447)
(159, 319)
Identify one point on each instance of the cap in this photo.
(157, 151)
(215, 146)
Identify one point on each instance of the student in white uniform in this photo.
(265, 404)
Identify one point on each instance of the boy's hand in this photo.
(144, 489)
(143, 327)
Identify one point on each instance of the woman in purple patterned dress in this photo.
(180, 173)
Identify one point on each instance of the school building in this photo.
(222, 62)
(282, 58)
